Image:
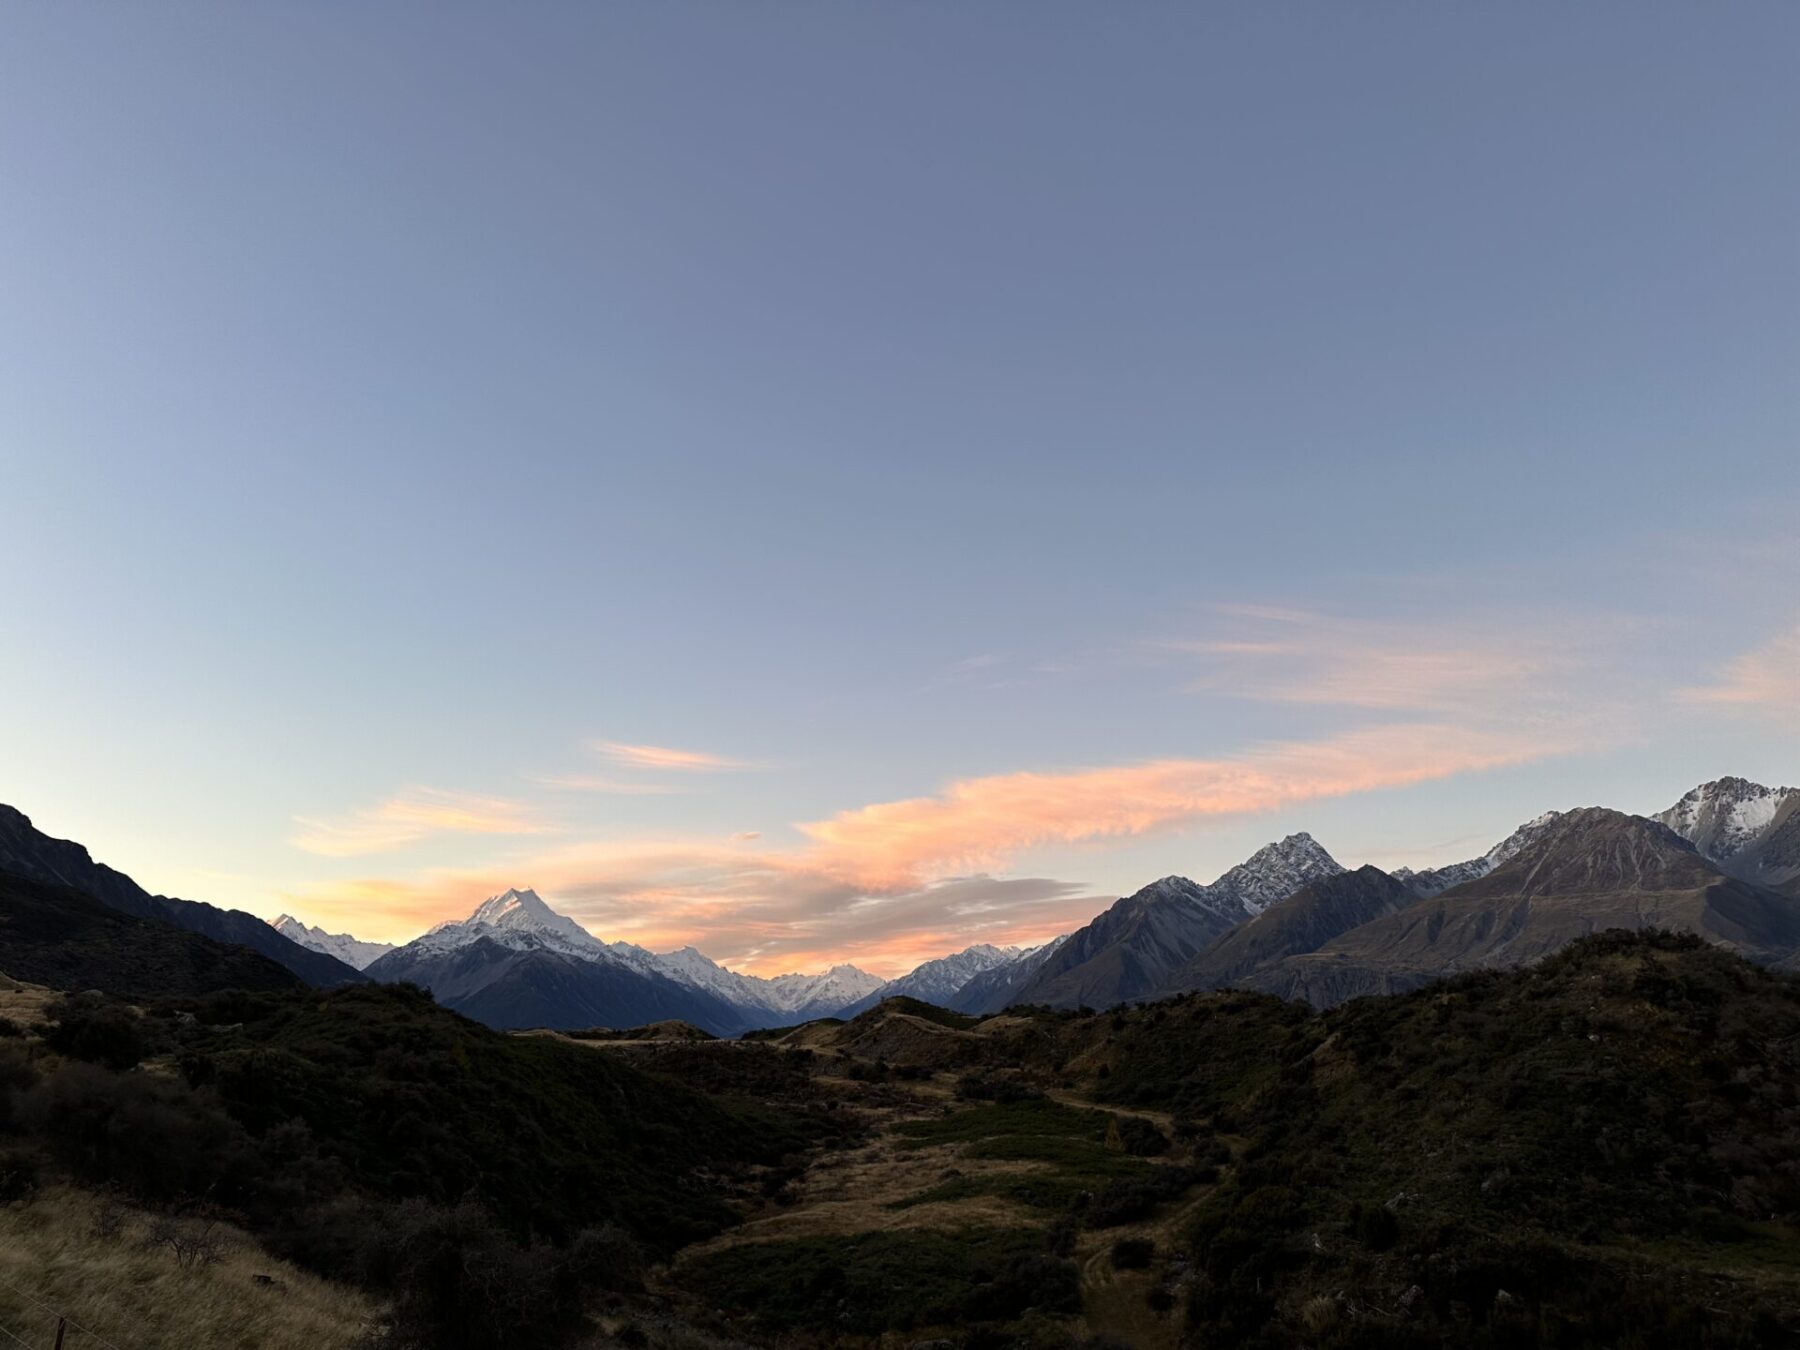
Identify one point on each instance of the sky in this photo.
(842, 482)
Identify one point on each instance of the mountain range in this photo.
(1723, 862)
(339, 946)
(515, 962)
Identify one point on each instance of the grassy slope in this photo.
(52, 1251)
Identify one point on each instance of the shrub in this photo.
(975, 1087)
(18, 1175)
(460, 1283)
(1128, 1200)
(1049, 1283)
(93, 1028)
(154, 1138)
(1374, 1226)
(17, 1073)
(873, 1282)
(1132, 1253)
(1140, 1138)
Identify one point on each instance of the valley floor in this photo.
(935, 1174)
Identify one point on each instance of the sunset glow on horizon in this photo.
(849, 483)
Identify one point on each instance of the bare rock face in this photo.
(1309, 918)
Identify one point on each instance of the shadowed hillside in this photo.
(64, 938)
(28, 852)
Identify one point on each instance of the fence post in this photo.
(61, 1322)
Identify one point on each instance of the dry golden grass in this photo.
(850, 1192)
(24, 1003)
(139, 1297)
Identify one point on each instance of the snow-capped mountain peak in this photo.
(517, 918)
(939, 980)
(351, 951)
(1274, 872)
(1727, 812)
(1744, 828)
(515, 908)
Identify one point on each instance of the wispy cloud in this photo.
(1764, 681)
(1469, 671)
(410, 817)
(663, 757)
(598, 783)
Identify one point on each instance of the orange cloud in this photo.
(410, 817)
(891, 881)
(662, 757)
(980, 822)
(1766, 680)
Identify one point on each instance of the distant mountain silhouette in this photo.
(28, 852)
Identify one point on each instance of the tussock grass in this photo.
(139, 1297)
(1036, 1118)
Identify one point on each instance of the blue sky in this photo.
(927, 416)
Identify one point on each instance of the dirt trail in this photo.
(1163, 1120)
(850, 1192)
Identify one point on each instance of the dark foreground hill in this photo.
(487, 1186)
(27, 851)
(56, 936)
(1603, 1150)
(1600, 1149)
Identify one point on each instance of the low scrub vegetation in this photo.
(872, 1283)
(372, 1137)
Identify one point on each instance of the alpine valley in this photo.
(1544, 1097)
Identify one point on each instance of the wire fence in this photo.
(60, 1338)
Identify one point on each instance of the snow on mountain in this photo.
(1432, 881)
(519, 920)
(1273, 872)
(824, 994)
(351, 951)
(516, 919)
(994, 988)
(793, 997)
(938, 981)
(1129, 951)
(1750, 831)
